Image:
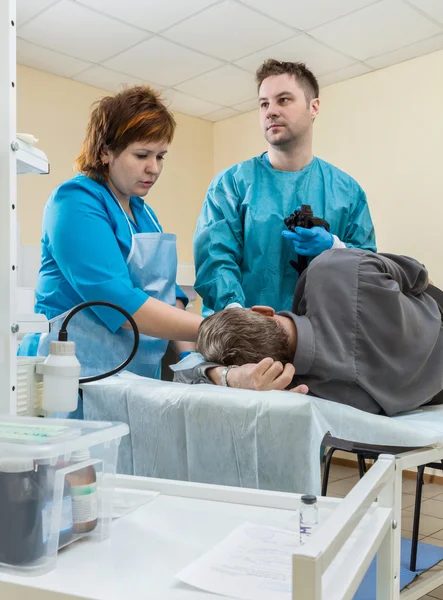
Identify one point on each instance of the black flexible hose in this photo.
(63, 335)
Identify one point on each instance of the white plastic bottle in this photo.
(61, 372)
(308, 517)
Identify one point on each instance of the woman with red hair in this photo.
(102, 242)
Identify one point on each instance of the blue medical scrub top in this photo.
(85, 243)
(240, 254)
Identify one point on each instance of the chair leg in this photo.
(324, 486)
(417, 509)
(361, 465)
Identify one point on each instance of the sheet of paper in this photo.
(254, 562)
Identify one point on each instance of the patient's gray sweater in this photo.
(368, 334)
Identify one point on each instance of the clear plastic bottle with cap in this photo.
(308, 517)
(84, 494)
(21, 508)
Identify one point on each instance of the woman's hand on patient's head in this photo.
(268, 374)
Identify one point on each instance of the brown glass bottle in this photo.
(84, 494)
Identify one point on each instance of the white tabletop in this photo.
(149, 546)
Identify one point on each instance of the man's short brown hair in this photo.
(134, 115)
(238, 336)
(300, 71)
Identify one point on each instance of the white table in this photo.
(150, 545)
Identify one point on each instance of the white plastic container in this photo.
(61, 374)
(35, 460)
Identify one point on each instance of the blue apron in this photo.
(152, 266)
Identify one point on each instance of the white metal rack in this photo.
(15, 157)
(8, 208)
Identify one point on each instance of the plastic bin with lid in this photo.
(56, 486)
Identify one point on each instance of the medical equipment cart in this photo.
(151, 544)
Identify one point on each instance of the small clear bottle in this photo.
(308, 517)
(84, 494)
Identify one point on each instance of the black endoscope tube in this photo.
(63, 335)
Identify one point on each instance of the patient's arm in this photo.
(265, 375)
(195, 375)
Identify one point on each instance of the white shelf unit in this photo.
(16, 157)
(8, 208)
(31, 160)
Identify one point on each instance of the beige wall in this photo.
(56, 111)
(386, 130)
(237, 139)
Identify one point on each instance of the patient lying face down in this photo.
(364, 331)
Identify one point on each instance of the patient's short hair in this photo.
(238, 336)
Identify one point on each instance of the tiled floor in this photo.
(342, 480)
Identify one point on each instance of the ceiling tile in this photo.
(26, 9)
(172, 63)
(377, 29)
(228, 31)
(391, 58)
(227, 86)
(149, 14)
(223, 113)
(80, 32)
(342, 74)
(107, 79)
(305, 14)
(434, 8)
(301, 48)
(247, 106)
(188, 104)
(36, 57)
